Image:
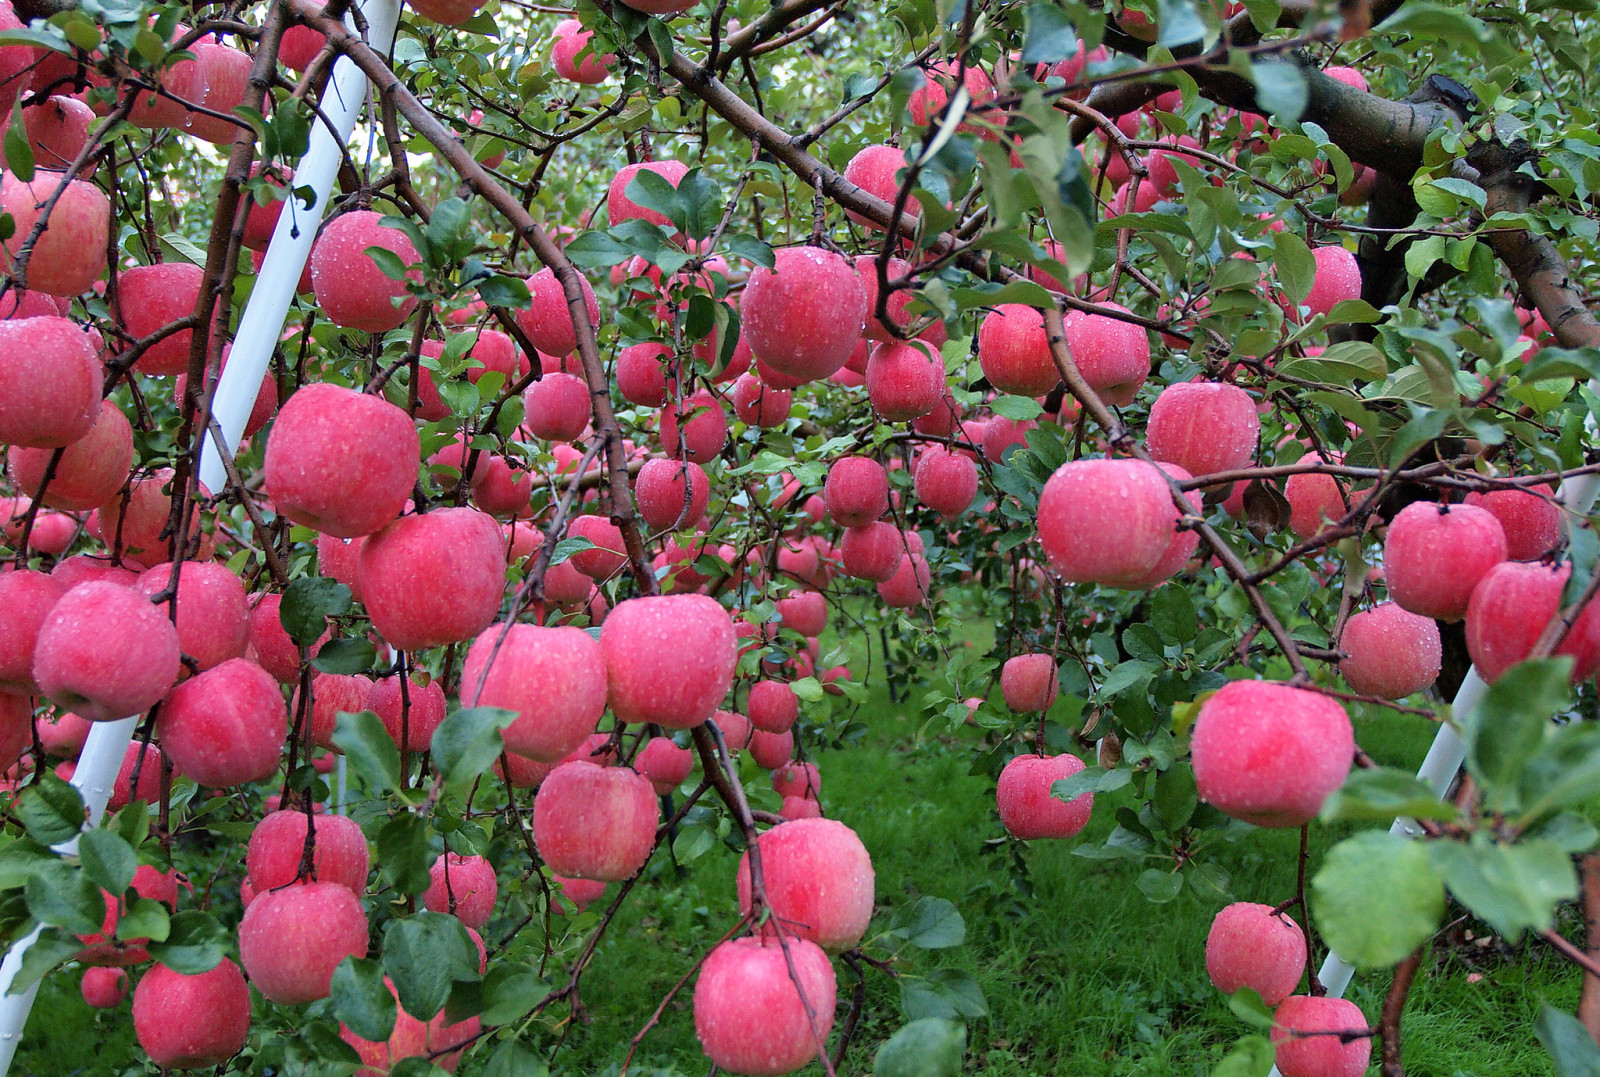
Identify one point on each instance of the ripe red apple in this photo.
(695, 430)
(1203, 427)
(104, 988)
(876, 169)
(213, 612)
(340, 461)
(57, 130)
(263, 218)
(641, 373)
(350, 288)
(50, 380)
(927, 102)
(804, 316)
(772, 706)
(856, 491)
(873, 551)
(61, 733)
(570, 40)
(818, 879)
(131, 521)
(771, 750)
(436, 1040)
(290, 940)
(1028, 811)
(594, 822)
(1029, 682)
(1338, 278)
(659, 490)
(497, 352)
(433, 578)
(265, 407)
(105, 652)
(277, 846)
(609, 553)
(1392, 653)
(226, 726)
(619, 207)
(1106, 521)
(555, 678)
(71, 252)
(91, 469)
(26, 598)
(1251, 946)
(462, 886)
(225, 72)
(191, 1022)
(1301, 1055)
(422, 716)
(103, 947)
(576, 894)
(1435, 554)
(664, 765)
(1113, 355)
(273, 648)
(669, 659)
(1014, 351)
(909, 585)
(1529, 517)
(751, 1017)
(1509, 610)
(448, 12)
(1314, 499)
(1000, 434)
(548, 319)
(945, 481)
(1270, 754)
(905, 379)
(142, 761)
(557, 407)
(806, 612)
(332, 693)
(797, 780)
(758, 404)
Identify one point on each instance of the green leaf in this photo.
(1511, 887)
(1552, 363)
(468, 742)
(808, 689)
(1017, 407)
(931, 924)
(1175, 797)
(510, 991)
(651, 190)
(1435, 20)
(1280, 89)
(144, 918)
(930, 1047)
(1295, 265)
(19, 859)
(107, 859)
(58, 893)
(1172, 614)
(307, 604)
(195, 943)
(1091, 780)
(19, 151)
(1252, 1056)
(348, 655)
(1051, 35)
(423, 954)
(49, 951)
(1376, 898)
(567, 547)
(404, 855)
(388, 262)
(1572, 1050)
(513, 1059)
(1506, 729)
(750, 249)
(361, 999)
(1158, 885)
(51, 810)
(1247, 1006)
(1564, 774)
(943, 993)
(372, 753)
(1380, 794)
(503, 291)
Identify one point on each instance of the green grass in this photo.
(1083, 975)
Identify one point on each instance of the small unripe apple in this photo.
(1299, 1052)
(340, 461)
(290, 940)
(350, 288)
(819, 882)
(1529, 517)
(1435, 554)
(277, 847)
(433, 578)
(105, 652)
(1014, 351)
(594, 822)
(1392, 653)
(462, 886)
(90, 470)
(1106, 521)
(752, 1017)
(1203, 427)
(664, 765)
(669, 659)
(1028, 811)
(1029, 683)
(905, 379)
(554, 678)
(192, 1022)
(804, 316)
(659, 490)
(50, 380)
(425, 711)
(226, 726)
(1250, 946)
(1270, 754)
(856, 491)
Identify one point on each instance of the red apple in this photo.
(1112, 355)
(571, 40)
(856, 491)
(350, 288)
(290, 940)
(669, 659)
(664, 765)
(555, 678)
(557, 407)
(26, 598)
(1529, 517)
(1106, 521)
(1204, 427)
(277, 848)
(105, 652)
(1338, 278)
(1392, 653)
(758, 404)
(1435, 554)
(1028, 811)
(797, 780)
(50, 381)
(71, 251)
(819, 882)
(594, 822)
(1509, 610)
(905, 379)
(226, 726)
(804, 316)
(90, 470)
(663, 502)
(433, 578)
(1014, 351)
(422, 707)
(213, 612)
(752, 1017)
(1029, 682)
(806, 612)
(462, 886)
(619, 207)
(104, 988)
(192, 1022)
(1299, 1052)
(945, 481)
(695, 430)
(1251, 946)
(548, 319)
(873, 551)
(772, 706)
(225, 72)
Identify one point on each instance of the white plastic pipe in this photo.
(258, 333)
(1449, 751)
(262, 322)
(94, 777)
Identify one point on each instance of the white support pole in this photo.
(1449, 751)
(258, 333)
(262, 321)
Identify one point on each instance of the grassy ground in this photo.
(1083, 976)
